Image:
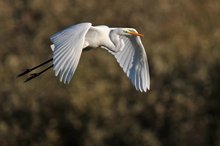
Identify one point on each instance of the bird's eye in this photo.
(125, 31)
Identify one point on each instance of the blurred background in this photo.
(101, 107)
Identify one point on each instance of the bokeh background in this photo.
(100, 107)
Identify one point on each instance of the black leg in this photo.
(33, 68)
(34, 75)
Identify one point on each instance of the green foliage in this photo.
(100, 107)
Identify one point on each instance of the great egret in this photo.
(124, 43)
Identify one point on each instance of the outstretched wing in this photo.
(133, 60)
(67, 48)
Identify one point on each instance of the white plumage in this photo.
(124, 43)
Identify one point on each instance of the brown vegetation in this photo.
(100, 107)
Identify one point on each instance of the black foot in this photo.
(25, 72)
(34, 75)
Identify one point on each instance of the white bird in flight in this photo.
(124, 43)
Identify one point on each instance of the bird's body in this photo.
(124, 43)
(96, 38)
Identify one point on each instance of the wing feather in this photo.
(125, 63)
(133, 61)
(67, 48)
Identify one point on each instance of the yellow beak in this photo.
(136, 34)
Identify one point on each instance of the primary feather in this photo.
(68, 46)
(134, 62)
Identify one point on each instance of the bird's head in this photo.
(131, 31)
